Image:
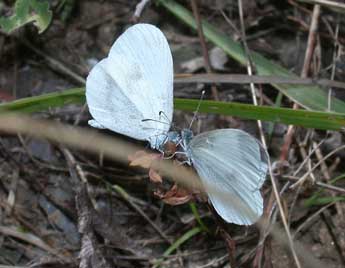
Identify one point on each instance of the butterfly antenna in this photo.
(165, 116)
(154, 120)
(197, 109)
(170, 123)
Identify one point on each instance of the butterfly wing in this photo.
(232, 166)
(135, 82)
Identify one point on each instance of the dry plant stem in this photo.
(75, 169)
(263, 243)
(327, 219)
(302, 147)
(93, 142)
(324, 168)
(307, 157)
(37, 162)
(34, 240)
(326, 174)
(256, 79)
(233, 26)
(214, 263)
(334, 165)
(274, 185)
(304, 74)
(139, 8)
(208, 67)
(127, 198)
(305, 176)
(335, 53)
(73, 165)
(11, 199)
(311, 218)
(327, 3)
(320, 185)
(331, 188)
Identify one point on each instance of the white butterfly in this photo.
(232, 166)
(131, 92)
(133, 84)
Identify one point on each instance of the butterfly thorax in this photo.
(170, 144)
(186, 137)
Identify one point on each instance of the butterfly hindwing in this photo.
(232, 166)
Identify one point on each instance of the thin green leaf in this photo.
(27, 11)
(317, 199)
(185, 237)
(324, 200)
(45, 101)
(271, 125)
(310, 97)
(197, 217)
(309, 119)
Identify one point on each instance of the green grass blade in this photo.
(197, 217)
(317, 199)
(271, 125)
(324, 200)
(45, 101)
(309, 119)
(310, 97)
(188, 235)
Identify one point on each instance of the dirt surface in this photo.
(48, 213)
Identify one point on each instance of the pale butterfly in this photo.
(232, 166)
(133, 84)
(131, 92)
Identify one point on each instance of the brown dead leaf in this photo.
(154, 176)
(143, 159)
(175, 196)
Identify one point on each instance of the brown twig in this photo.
(256, 79)
(33, 240)
(311, 218)
(305, 176)
(330, 4)
(327, 219)
(336, 52)
(263, 140)
(208, 67)
(118, 150)
(304, 74)
(139, 8)
(77, 174)
(319, 184)
(128, 199)
(264, 232)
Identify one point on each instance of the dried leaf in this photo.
(154, 176)
(175, 196)
(143, 159)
